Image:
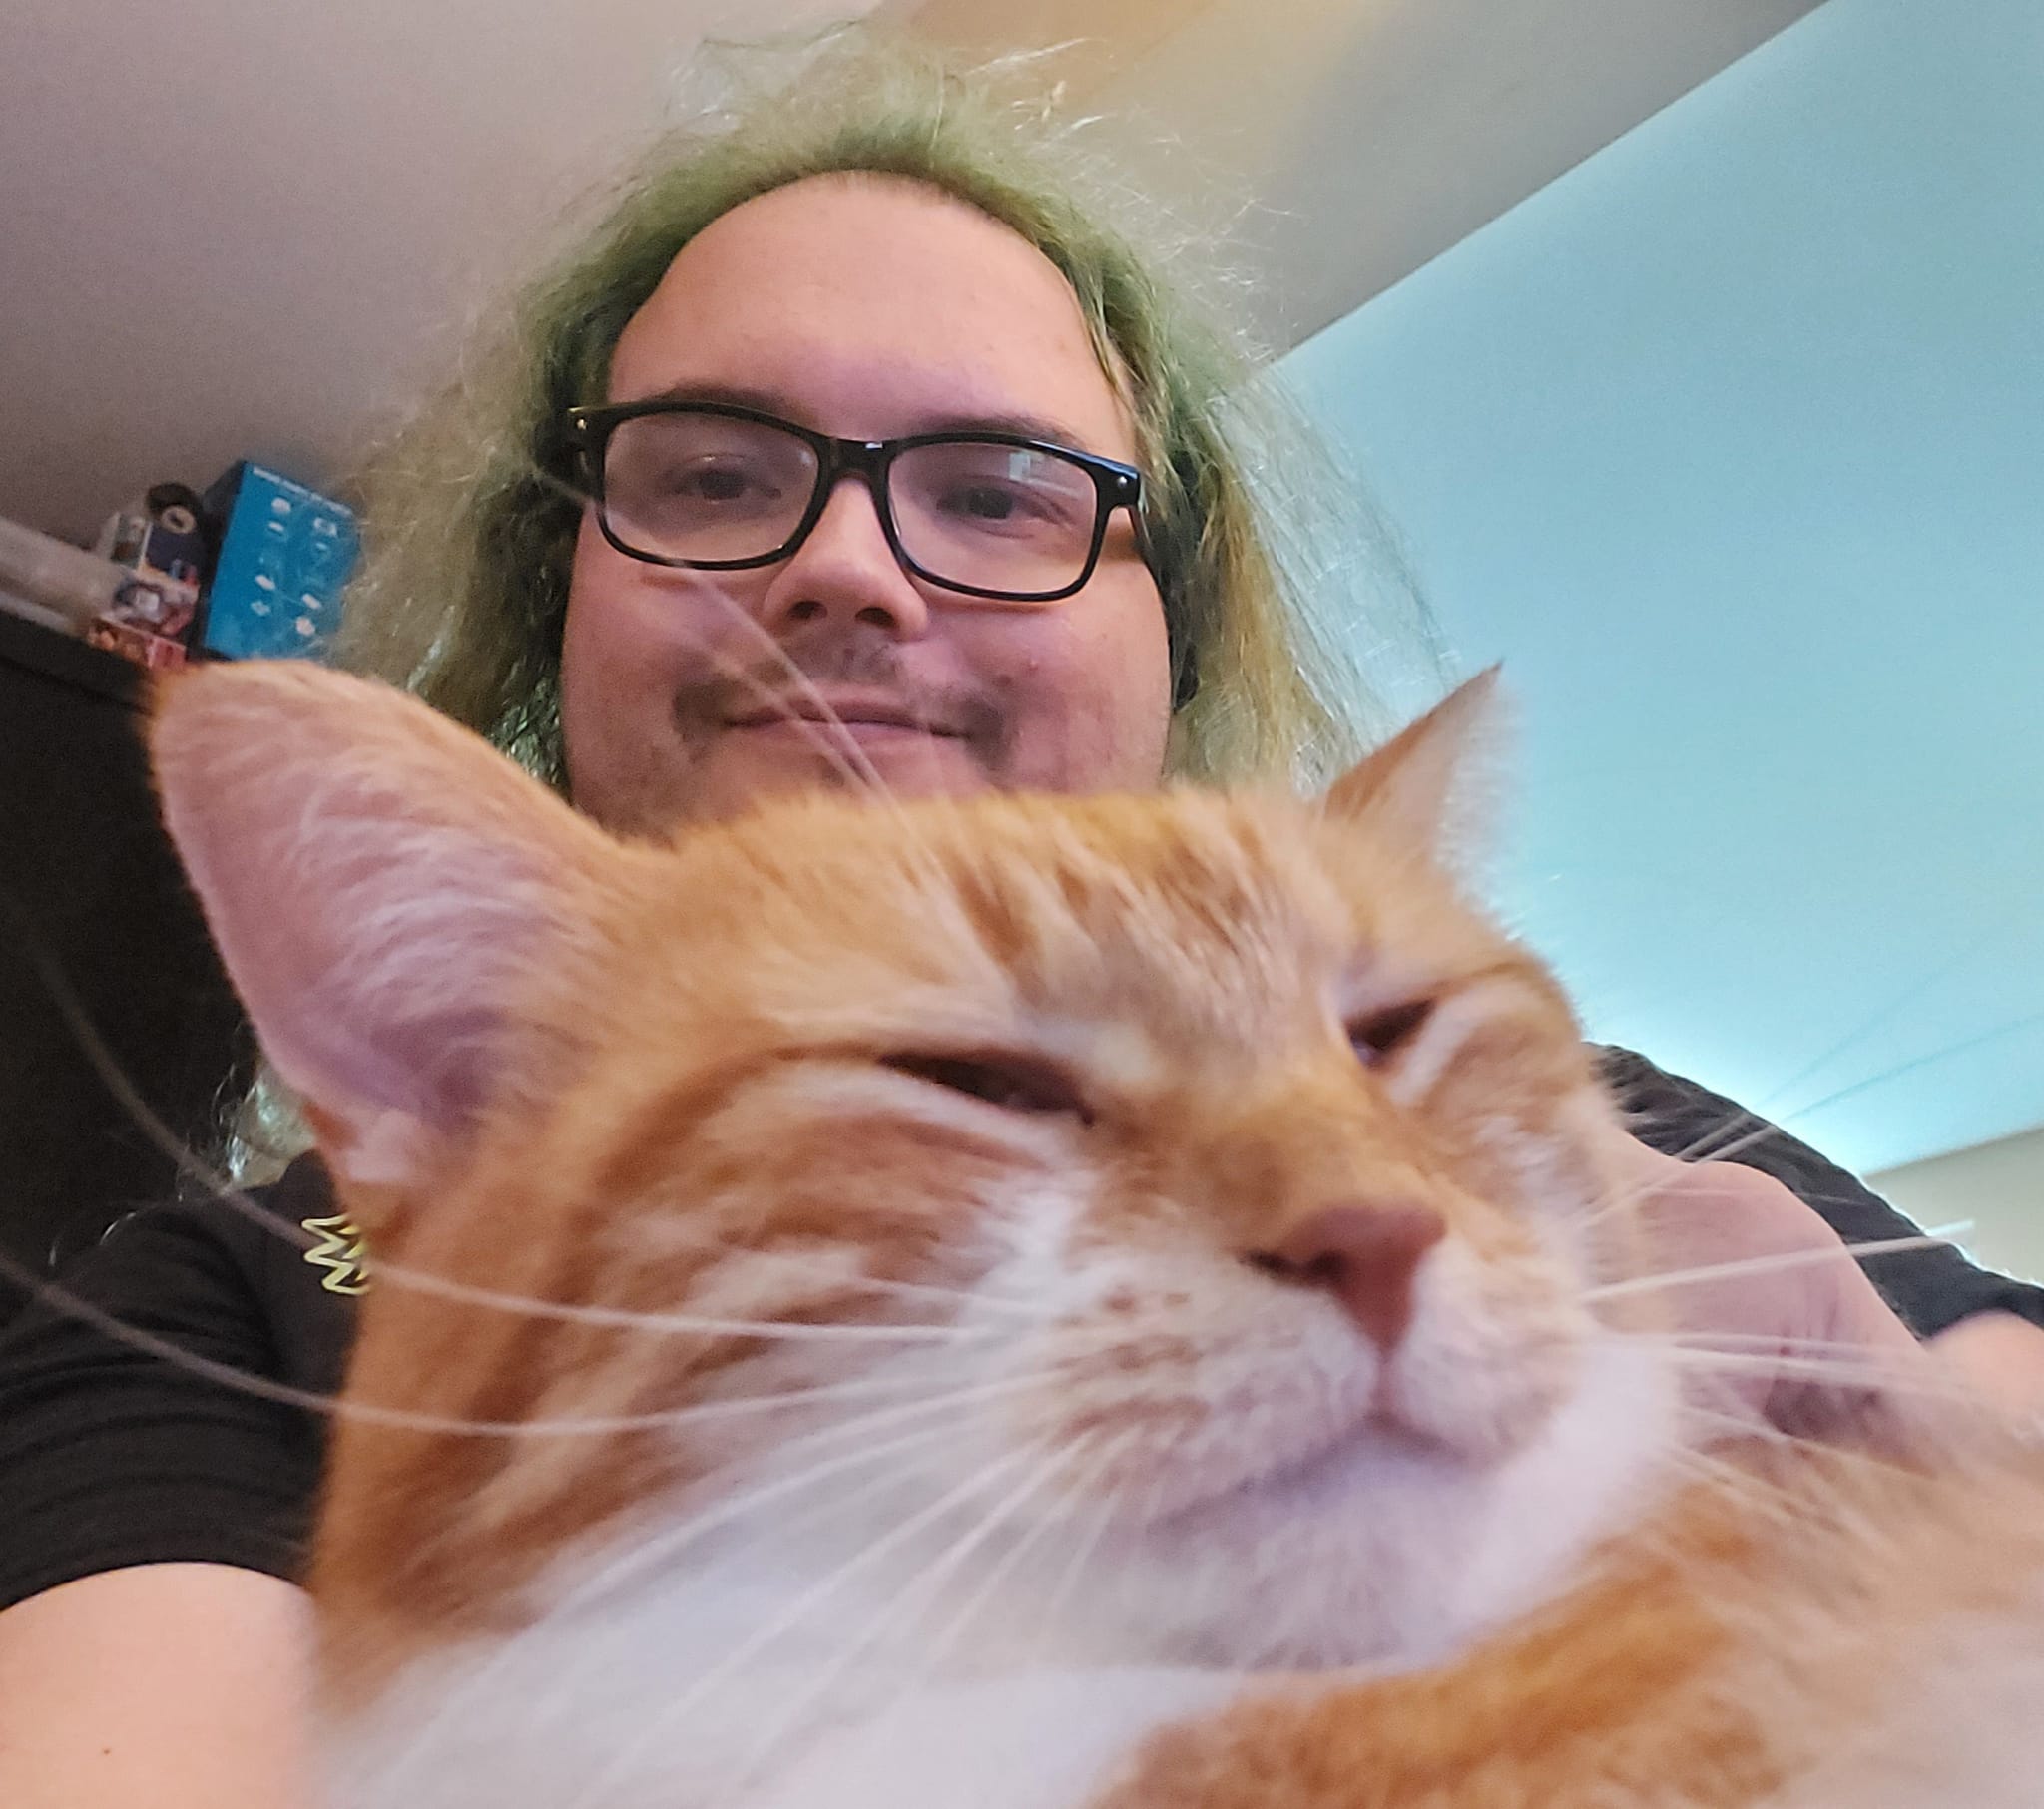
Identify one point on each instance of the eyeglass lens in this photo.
(715, 489)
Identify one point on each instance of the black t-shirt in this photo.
(111, 1455)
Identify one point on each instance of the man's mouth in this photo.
(819, 716)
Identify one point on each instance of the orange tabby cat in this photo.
(1096, 1301)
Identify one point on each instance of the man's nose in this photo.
(844, 571)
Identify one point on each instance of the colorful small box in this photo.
(286, 552)
(159, 652)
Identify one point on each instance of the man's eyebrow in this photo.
(1019, 422)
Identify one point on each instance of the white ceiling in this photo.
(257, 229)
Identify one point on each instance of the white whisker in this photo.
(396, 1274)
(805, 686)
(480, 1684)
(791, 1331)
(847, 759)
(1746, 1429)
(1106, 1451)
(1761, 1341)
(851, 761)
(788, 1620)
(341, 1407)
(1870, 1374)
(662, 1546)
(721, 1514)
(1751, 1492)
(1762, 1265)
(1708, 1147)
(907, 1608)
(1086, 1546)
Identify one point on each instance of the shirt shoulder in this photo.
(1928, 1289)
(153, 1399)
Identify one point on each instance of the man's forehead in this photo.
(872, 308)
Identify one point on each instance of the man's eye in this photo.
(709, 484)
(720, 486)
(1013, 1080)
(984, 503)
(1377, 1035)
(716, 483)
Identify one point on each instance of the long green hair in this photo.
(1276, 585)
(469, 532)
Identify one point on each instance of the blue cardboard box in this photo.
(286, 552)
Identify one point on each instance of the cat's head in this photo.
(1191, 1192)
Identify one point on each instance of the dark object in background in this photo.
(89, 875)
(166, 535)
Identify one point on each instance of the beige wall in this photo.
(1998, 1187)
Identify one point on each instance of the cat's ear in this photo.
(381, 886)
(1435, 784)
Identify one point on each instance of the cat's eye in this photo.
(1013, 1080)
(1377, 1035)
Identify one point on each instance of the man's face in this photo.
(870, 309)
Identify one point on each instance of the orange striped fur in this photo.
(1016, 1098)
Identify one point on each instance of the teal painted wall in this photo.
(1730, 443)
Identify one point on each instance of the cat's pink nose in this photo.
(1366, 1256)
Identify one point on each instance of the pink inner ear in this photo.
(379, 882)
(366, 1035)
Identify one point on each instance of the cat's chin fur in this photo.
(1380, 1554)
(1388, 1552)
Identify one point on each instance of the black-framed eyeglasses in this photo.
(717, 488)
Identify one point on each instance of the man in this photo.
(866, 260)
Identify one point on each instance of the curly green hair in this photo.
(469, 532)
(469, 528)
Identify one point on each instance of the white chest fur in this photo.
(794, 1660)
(654, 1707)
